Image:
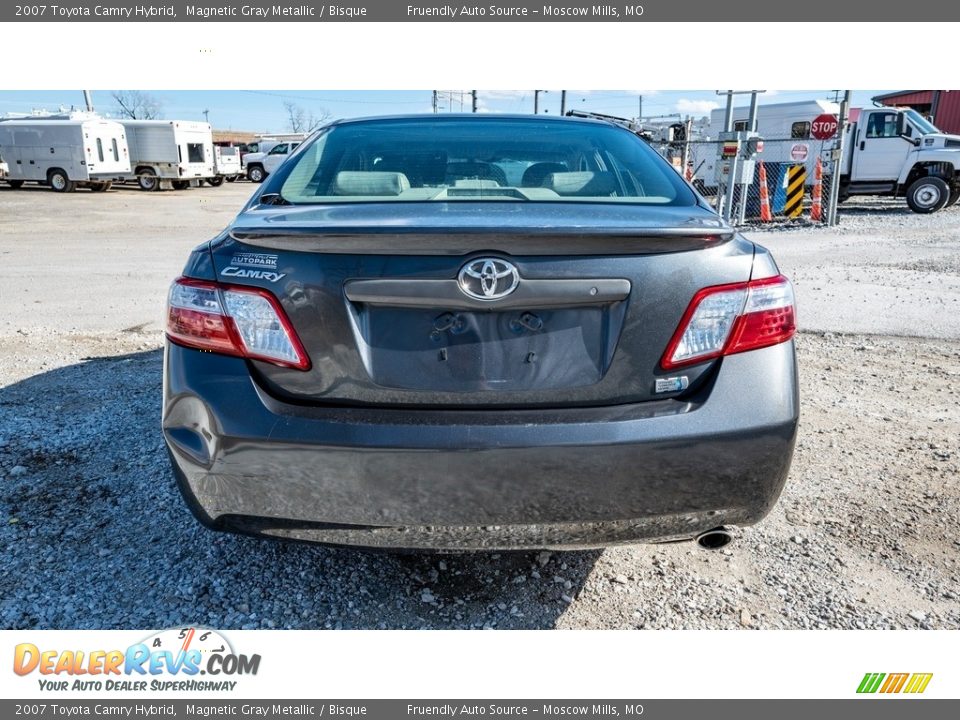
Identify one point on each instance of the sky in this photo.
(264, 111)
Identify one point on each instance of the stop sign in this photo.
(824, 127)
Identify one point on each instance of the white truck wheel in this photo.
(60, 181)
(928, 194)
(147, 180)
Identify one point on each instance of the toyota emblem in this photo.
(488, 278)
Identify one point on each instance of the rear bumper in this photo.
(453, 480)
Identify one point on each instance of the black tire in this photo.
(60, 182)
(181, 184)
(147, 180)
(256, 173)
(101, 186)
(15, 184)
(216, 181)
(232, 178)
(954, 196)
(928, 194)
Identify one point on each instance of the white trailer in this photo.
(226, 164)
(64, 151)
(776, 121)
(783, 127)
(168, 154)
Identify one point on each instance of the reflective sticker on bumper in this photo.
(672, 384)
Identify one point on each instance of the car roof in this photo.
(474, 117)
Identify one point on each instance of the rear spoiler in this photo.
(380, 240)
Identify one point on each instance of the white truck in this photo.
(168, 154)
(64, 151)
(226, 164)
(272, 153)
(899, 153)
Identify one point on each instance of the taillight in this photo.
(233, 320)
(728, 319)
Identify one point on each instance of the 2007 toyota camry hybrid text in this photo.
(450, 332)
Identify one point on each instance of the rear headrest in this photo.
(588, 184)
(354, 182)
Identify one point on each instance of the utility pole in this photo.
(640, 108)
(838, 160)
(536, 102)
(206, 116)
(752, 127)
(563, 102)
(752, 122)
(727, 195)
(88, 100)
(473, 100)
(433, 102)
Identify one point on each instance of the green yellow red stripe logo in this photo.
(891, 683)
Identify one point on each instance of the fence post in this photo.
(838, 161)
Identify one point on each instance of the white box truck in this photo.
(64, 151)
(168, 154)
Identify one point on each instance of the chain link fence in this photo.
(790, 166)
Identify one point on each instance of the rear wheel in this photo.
(928, 194)
(181, 184)
(147, 180)
(954, 196)
(216, 181)
(101, 186)
(15, 184)
(256, 174)
(232, 178)
(60, 181)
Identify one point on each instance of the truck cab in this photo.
(899, 153)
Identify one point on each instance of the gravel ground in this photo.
(95, 535)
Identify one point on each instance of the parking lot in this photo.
(95, 535)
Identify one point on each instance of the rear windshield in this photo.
(490, 159)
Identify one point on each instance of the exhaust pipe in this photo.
(714, 539)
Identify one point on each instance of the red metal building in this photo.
(941, 106)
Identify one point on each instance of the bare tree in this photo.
(137, 105)
(304, 121)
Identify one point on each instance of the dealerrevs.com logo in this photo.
(170, 660)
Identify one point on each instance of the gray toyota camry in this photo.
(468, 332)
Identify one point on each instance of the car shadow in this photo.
(96, 535)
